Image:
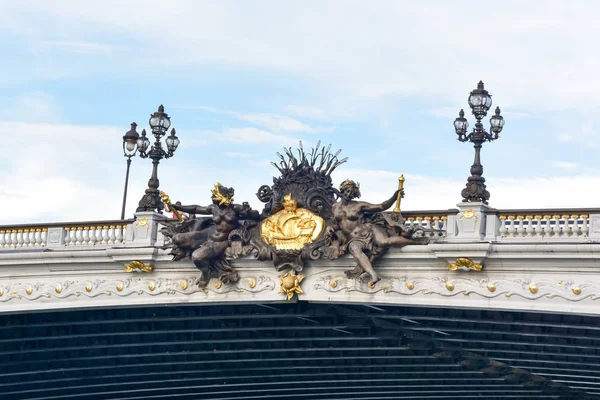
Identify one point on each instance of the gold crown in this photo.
(288, 202)
(349, 182)
(216, 194)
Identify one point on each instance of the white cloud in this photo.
(565, 137)
(564, 165)
(61, 172)
(251, 136)
(279, 123)
(308, 112)
(369, 50)
(33, 106)
(79, 47)
(237, 154)
(271, 121)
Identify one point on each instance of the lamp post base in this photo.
(475, 191)
(150, 201)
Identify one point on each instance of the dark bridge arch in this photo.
(298, 351)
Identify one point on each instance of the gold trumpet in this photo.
(167, 201)
(400, 187)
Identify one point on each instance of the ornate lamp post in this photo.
(129, 150)
(480, 102)
(159, 123)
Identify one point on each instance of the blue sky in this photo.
(382, 80)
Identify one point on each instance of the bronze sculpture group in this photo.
(304, 217)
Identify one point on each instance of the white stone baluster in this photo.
(556, 228)
(546, 229)
(530, 231)
(26, 238)
(79, 236)
(512, 230)
(105, 237)
(86, 235)
(538, 225)
(111, 234)
(68, 236)
(503, 231)
(2, 238)
(93, 237)
(37, 237)
(19, 238)
(576, 228)
(521, 228)
(566, 227)
(99, 234)
(585, 227)
(32, 237)
(119, 234)
(44, 236)
(409, 222)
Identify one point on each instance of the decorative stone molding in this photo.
(93, 288)
(448, 287)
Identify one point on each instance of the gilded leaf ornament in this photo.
(290, 284)
(465, 264)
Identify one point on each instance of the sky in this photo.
(382, 80)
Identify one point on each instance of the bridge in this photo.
(500, 304)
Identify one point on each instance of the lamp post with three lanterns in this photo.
(159, 123)
(480, 102)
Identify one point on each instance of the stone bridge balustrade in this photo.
(69, 234)
(93, 235)
(501, 225)
(547, 224)
(13, 237)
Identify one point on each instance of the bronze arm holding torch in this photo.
(167, 201)
(400, 187)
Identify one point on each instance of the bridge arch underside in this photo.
(298, 351)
